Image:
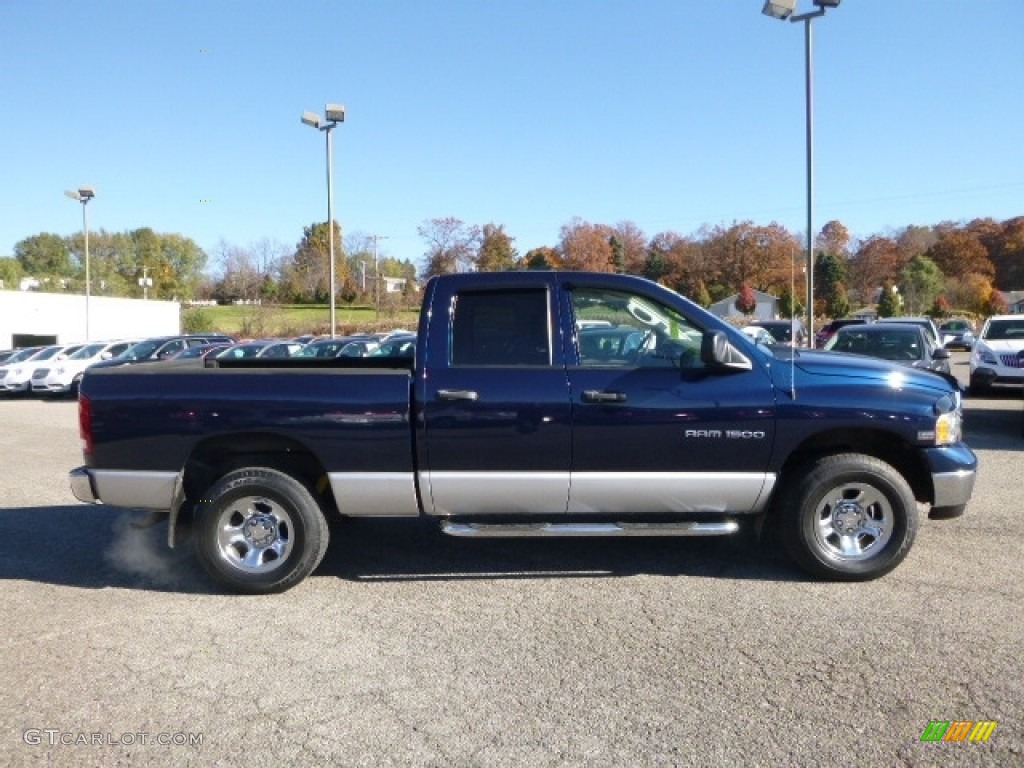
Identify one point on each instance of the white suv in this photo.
(998, 354)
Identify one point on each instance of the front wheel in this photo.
(848, 517)
(259, 530)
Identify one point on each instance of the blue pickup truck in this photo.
(535, 404)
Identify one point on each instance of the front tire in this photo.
(259, 530)
(848, 517)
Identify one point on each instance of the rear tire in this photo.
(847, 517)
(259, 530)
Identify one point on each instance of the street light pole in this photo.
(783, 9)
(83, 195)
(335, 113)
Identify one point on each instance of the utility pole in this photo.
(145, 281)
(376, 275)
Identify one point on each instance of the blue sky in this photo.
(672, 114)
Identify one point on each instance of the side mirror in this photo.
(940, 353)
(716, 350)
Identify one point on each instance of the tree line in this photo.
(940, 268)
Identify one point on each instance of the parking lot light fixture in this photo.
(783, 10)
(83, 195)
(334, 114)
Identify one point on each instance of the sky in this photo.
(671, 114)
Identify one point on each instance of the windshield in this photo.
(141, 350)
(47, 353)
(21, 354)
(90, 350)
(1001, 330)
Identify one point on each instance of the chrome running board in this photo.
(527, 530)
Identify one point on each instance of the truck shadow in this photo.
(102, 547)
(416, 550)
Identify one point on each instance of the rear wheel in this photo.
(259, 530)
(848, 517)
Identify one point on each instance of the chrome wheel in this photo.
(849, 516)
(254, 534)
(854, 520)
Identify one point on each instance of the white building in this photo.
(28, 318)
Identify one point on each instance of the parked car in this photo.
(959, 334)
(6, 354)
(998, 354)
(281, 349)
(161, 348)
(18, 376)
(201, 350)
(923, 322)
(400, 345)
(828, 330)
(14, 362)
(64, 376)
(903, 343)
(329, 347)
(791, 332)
(759, 335)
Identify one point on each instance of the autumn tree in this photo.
(958, 253)
(495, 253)
(1007, 254)
(746, 301)
(834, 239)
(876, 262)
(586, 246)
(544, 257)
(451, 246)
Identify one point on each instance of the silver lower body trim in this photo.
(953, 488)
(530, 530)
(580, 493)
(495, 493)
(669, 492)
(375, 494)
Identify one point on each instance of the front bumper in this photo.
(954, 468)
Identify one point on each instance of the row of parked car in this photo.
(997, 351)
(58, 369)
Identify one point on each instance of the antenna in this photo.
(792, 355)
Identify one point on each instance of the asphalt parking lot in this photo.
(407, 648)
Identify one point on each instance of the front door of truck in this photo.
(655, 430)
(496, 432)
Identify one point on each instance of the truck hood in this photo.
(858, 368)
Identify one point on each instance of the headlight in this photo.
(948, 421)
(985, 355)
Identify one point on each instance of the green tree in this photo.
(922, 281)
(789, 304)
(701, 295)
(837, 304)
(889, 301)
(306, 276)
(10, 273)
(496, 253)
(45, 257)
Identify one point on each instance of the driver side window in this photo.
(623, 330)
